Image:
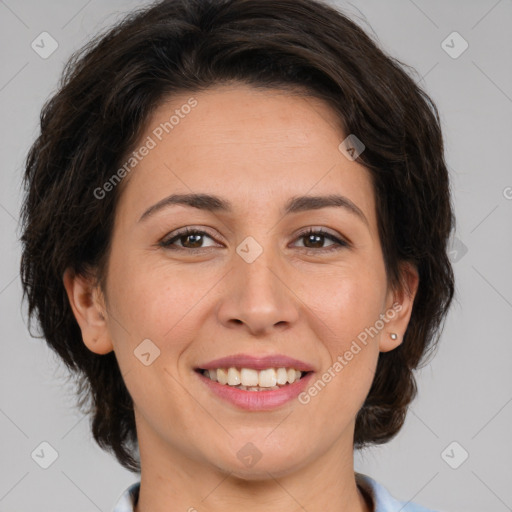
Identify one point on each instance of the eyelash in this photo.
(339, 243)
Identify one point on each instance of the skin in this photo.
(257, 149)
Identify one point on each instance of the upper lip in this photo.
(257, 363)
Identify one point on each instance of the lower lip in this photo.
(257, 400)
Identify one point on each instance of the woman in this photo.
(235, 233)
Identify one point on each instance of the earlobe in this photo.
(400, 309)
(88, 308)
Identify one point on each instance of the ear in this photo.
(88, 305)
(399, 308)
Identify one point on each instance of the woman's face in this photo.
(251, 283)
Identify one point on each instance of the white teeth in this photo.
(233, 377)
(222, 376)
(282, 376)
(268, 378)
(249, 379)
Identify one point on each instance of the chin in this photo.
(261, 467)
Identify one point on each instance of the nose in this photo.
(259, 297)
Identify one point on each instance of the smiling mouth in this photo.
(248, 379)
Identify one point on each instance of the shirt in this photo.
(382, 499)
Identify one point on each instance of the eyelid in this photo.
(323, 230)
(179, 232)
(339, 240)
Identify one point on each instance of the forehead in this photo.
(256, 147)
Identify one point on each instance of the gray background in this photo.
(465, 393)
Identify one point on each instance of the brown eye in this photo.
(188, 238)
(315, 238)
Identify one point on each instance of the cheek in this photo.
(348, 301)
(348, 308)
(351, 349)
(151, 300)
(160, 304)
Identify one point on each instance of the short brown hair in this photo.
(110, 88)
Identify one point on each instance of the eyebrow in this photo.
(296, 204)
